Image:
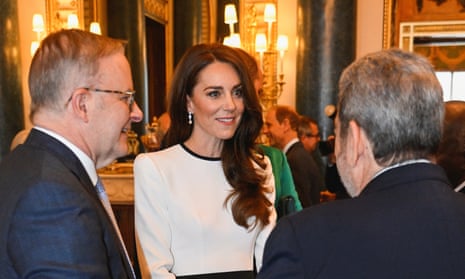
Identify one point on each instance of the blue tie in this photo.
(106, 204)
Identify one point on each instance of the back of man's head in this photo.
(395, 97)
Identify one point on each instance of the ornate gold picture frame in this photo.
(388, 24)
(419, 12)
(59, 10)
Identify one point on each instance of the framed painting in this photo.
(418, 11)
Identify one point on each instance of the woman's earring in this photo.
(189, 118)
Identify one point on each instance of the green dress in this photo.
(284, 183)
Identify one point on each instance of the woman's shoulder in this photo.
(169, 153)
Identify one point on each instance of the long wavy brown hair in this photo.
(239, 152)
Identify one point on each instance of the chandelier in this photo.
(259, 38)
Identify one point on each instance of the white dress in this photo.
(182, 224)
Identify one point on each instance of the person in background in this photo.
(54, 224)
(287, 200)
(451, 151)
(309, 136)
(333, 181)
(332, 178)
(406, 221)
(204, 205)
(281, 128)
(308, 133)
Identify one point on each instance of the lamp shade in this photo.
(283, 43)
(73, 21)
(230, 15)
(260, 42)
(234, 40)
(38, 23)
(270, 13)
(95, 28)
(34, 47)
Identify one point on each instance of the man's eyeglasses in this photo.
(128, 95)
(312, 135)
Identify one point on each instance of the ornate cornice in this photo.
(157, 9)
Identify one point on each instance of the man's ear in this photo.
(355, 143)
(79, 103)
(286, 124)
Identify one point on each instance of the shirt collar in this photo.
(289, 144)
(408, 162)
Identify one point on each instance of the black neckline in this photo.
(199, 156)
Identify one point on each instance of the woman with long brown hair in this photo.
(204, 205)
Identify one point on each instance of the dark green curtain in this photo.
(326, 45)
(11, 101)
(128, 23)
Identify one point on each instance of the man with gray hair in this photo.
(56, 219)
(404, 220)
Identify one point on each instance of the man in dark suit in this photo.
(281, 128)
(404, 220)
(53, 222)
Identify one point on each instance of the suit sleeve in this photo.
(287, 184)
(300, 175)
(57, 233)
(282, 258)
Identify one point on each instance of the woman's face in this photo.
(216, 103)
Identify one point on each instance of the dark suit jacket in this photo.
(307, 177)
(53, 224)
(407, 223)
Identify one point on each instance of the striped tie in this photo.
(106, 203)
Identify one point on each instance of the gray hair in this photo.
(395, 97)
(66, 60)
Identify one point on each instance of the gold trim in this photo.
(410, 30)
(205, 21)
(157, 9)
(387, 23)
(57, 12)
(440, 28)
(251, 24)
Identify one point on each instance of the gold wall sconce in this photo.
(258, 36)
(64, 14)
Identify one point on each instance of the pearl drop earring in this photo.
(189, 118)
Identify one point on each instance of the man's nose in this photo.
(136, 113)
